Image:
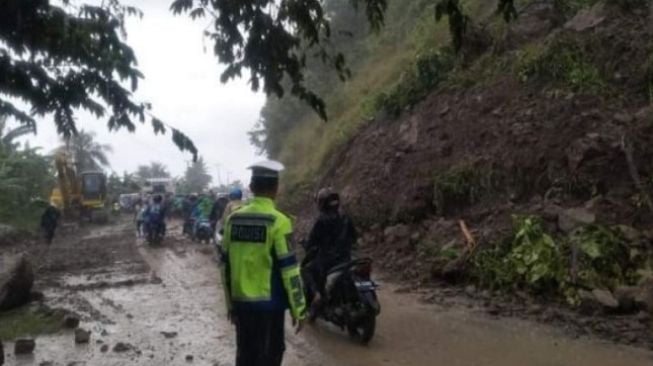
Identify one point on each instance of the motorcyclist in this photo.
(201, 213)
(155, 213)
(235, 202)
(188, 208)
(217, 211)
(329, 244)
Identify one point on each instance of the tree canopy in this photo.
(196, 178)
(60, 59)
(273, 39)
(87, 153)
(153, 170)
(25, 177)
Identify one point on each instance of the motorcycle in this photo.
(154, 231)
(204, 232)
(189, 224)
(351, 303)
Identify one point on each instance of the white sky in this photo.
(183, 84)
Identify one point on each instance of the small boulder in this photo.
(122, 347)
(169, 334)
(587, 18)
(626, 296)
(573, 218)
(630, 233)
(454, 270)
(643, 317)
(82, 336)
(470, 290)
(104, 348)
(606, 299)
(415, 238)
(399, 231)
(70, 321)
(16, 280)
(644, 299)
(24, 346)
(623, 118)
(588, 304)
(189, 358)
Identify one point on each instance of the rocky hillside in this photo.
(526, 165)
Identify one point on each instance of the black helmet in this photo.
(327, 198)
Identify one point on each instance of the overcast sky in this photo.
(182, 82)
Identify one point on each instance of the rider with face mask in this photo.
(330, 242)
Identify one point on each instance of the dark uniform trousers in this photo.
(259, 338)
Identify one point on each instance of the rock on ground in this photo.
(16, 280)
(82, 336)
(644, 298)
(626, 296)
(573, 218)
(122, 347)
(606, 299)
(71, 321)
(169, 334)
(24, 346)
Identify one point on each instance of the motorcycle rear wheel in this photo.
(363, 330)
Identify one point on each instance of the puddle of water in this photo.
(410, 333)
(189, 303)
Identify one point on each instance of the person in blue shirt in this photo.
(155, 214)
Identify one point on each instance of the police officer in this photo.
(260, 272)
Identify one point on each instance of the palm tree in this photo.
(7, 139)
(87, 153)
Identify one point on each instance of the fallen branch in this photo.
(469, 238)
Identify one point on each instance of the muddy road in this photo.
(163, 306)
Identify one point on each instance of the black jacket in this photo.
(331, 239)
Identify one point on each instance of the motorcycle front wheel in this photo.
(363, 330)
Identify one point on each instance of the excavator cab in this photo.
(94, 194)
(94, 187)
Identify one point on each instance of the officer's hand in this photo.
(298, 324)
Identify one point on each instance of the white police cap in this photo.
(266, 169)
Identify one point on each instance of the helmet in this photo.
(235, 194)
(327, 198)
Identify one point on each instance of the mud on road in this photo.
(163, 306)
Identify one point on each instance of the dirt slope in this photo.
(524, 138)
(571, 130)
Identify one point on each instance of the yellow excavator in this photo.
(80, 196)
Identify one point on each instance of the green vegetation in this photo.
(83, 63)
(196, 178)
(533, 260)
(562, 60)
(25, 179)
(421, 77)
(385, 68)
(87, 153)
(530, 259)
(29, 321)
(463, 185)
